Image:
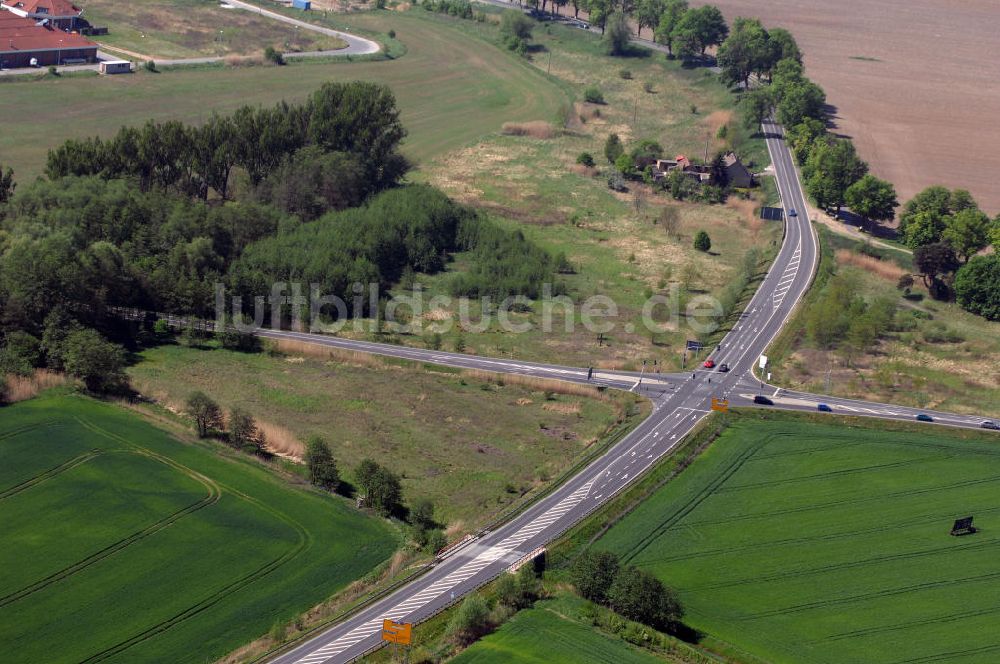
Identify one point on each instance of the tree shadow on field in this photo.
(832, 117)
(686, 633)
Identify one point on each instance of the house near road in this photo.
(60, 14)
(25, 43)
(737, 175)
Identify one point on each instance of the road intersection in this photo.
(680, 402)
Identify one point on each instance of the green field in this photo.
(805, 542)
(552, 632)
(451, 87)
(124, 544)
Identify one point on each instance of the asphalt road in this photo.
(680, 401)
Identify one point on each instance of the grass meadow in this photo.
(124, 544)
(806, 542)
(472, 446)
(451, 89)
(937, 355)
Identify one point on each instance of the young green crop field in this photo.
(124, 544)
(806, 542)
(552, 632)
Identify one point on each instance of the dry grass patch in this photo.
(294, 347)
(279, 440)
(884, 269)
(747, 209)
(534, 129)
(537, 384)
(244, 61)
(22, 388)
(571, 408)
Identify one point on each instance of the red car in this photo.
(709, 363)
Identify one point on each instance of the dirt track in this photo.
(925, 110)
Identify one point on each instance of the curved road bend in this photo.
(684, 401)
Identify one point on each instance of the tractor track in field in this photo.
(690, 505)
(210, 498)
(305, 541)
(790, 573)
(888, 592)
(833, 474)
(822, 537)
(848, 501)
(935, 620)
(49, 474)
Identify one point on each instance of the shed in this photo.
(115, 67)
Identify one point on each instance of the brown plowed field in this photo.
(915, 83)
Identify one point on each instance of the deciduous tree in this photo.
(322, 466)
(872, 198)
(968, 232)
(593, 573)
(673, 10)
(206, 413)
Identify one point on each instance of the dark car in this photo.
(762, 400)
(723, 367)
(824, 408)
(990, 425)
(792, 212)
(924, 417)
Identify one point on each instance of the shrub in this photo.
(585, 159)
(593, 95)
(53, 71)
(392, 34)
(470, 621)
(273, 55)
(613, 148)
(436, 541)
(626, 74)
(702, 242)
(149, 65)
(648, 87)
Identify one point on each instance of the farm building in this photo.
(24, 43)
(115, 67)
(60, 14)
(737, 174)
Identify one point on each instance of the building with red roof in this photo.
(61, 14)
(25, 43)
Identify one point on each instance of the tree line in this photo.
(358, 120)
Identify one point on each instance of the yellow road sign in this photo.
(721, 405)
(394, 632)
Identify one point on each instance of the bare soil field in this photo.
(913, 83)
